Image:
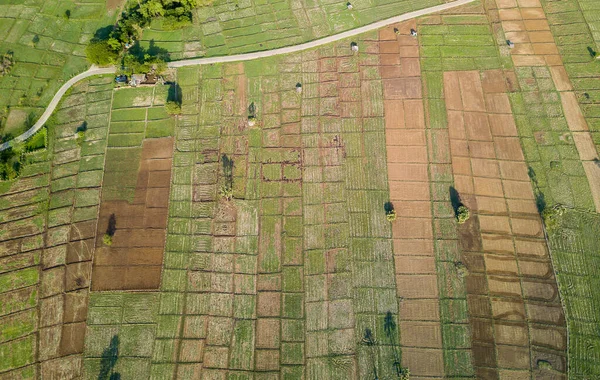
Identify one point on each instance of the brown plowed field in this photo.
(406, 146)
(134, 259)
(510, 277)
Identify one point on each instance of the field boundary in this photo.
(231, 58)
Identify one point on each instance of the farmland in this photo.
(245, 26)
(48, 48)
(299, 218)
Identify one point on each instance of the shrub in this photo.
(172, 108)
(80, 137)
(10, 164)
(404, 374)
(6, 63)
(462, 214)
(461, 269)
(101, 53)
(551, 216)
(107, 239)
(226, 192)
(391, 215)
(37, 141)
(390, 212)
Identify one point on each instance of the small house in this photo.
(137, 79)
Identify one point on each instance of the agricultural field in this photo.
(48, 40)
(228, 27)
(424, 207)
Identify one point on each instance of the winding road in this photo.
(232, 58)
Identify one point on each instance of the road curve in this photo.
(233, 58)
(55, 100)
(319, 42)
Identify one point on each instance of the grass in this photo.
(458, 42)
(574, 249)
(227, 28)
(575, 25)
(48, 50)
(133, 320)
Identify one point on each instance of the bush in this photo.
(391, 215)
(80, 137)
(390, 212)
(174, 23)
(404, 374)
(462, 214)
(172, 108)
(107, 239)
(10, 164)
(226, 192)
(551, 216)
(37, 141)
(6, 63)
(101, 53)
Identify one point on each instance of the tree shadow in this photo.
(112, 225)
(142, 54)
(388, 207)
(110, 355)
(227, 168)
(592, 52)
(174, 94)
(540, 199)
(83, 127)
(455, 199)
(369, 341)
(103, 33)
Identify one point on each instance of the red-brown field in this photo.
(134, 259)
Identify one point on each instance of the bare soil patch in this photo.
(134, 259)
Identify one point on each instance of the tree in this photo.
(390, 212)
(462, 214)
(172, 108)
(107, 240)
(114, 44)
(101, 53)
(152, 8)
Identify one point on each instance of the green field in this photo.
(253, 25)
(48, 48)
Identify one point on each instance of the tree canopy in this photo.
(108, 49)
(101, 53)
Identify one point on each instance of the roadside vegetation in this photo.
(119, 45)
(14, 159)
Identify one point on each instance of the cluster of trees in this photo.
(10, 164)
(109, 50)
(13, 159)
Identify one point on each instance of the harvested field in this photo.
(514, 276)
(134, 258)
(416, 279)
